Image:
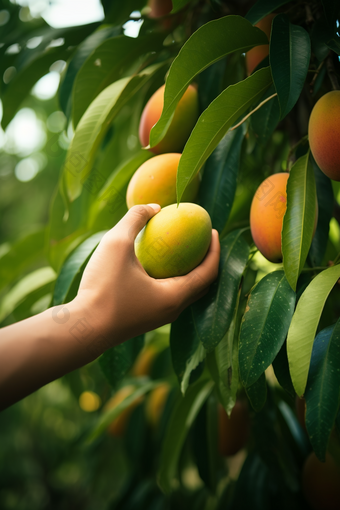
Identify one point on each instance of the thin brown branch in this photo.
(331, 72)
(253, 111)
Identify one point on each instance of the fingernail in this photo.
(155, 207)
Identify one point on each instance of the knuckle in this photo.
(140, 211)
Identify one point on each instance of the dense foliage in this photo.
(265, 333)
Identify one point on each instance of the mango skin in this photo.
(233, 432)
(174, 241)
(321, 483)
(324, 134)
(266, 215)
(185, 117)
(159, 8)
(118, 426)
(257, 54)
(155, 182)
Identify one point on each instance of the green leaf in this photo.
(118, 12)
(210, 43)
(182, 417)
(265, 120)
(25, 286)
(112, 198)
(304, 325)
(74, 266)
(21, 255)
(218, 186)
(257, 393)
(325, 198)
(299, 219)
(205, 443)
(108, 416)
(213, 313)
(289, 55)
(78, 59)
(118, 360)
(177, 5)
(263, 7)
(265, 325)
(94, 125)
(215, 121)
(223, 364)
(187, 352)
(323, 388)
(111, 61)
(281, 370)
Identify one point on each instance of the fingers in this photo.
(134, 220)
(197, 281)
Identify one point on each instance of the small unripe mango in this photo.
(257, 54)
(156, 403)
(119, 424)
(155, 182)
(184, 119)
(233, 432)
(324, 134)
(174, 241)
(266, 215)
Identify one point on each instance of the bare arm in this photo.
(116, 300)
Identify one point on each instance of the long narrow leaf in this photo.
(304, 325)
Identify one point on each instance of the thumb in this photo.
(135, 219)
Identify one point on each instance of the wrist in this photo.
(84, 327)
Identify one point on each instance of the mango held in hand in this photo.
(155, 182)
(183, 121)
(324, 134)
(174, 241)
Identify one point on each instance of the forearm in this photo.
(42, 348)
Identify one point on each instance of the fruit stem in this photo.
(331, 72)
(253, 111)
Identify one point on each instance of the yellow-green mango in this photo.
(174, 241)
(155, 182)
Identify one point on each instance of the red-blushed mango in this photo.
(321, 483)
(155, 182)
(156, 403)
(266, 215)
(184, 119)
(233, 432)
(119, 424)
(324, 134)
(159, 8)
(257, 54)
(174, 241)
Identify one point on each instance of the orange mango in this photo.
(183, 121)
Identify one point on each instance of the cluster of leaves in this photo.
(251, 318)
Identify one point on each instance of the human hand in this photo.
(121, 300)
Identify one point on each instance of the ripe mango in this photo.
(233, 432)
(174, 241)
(257, 54)
(324, 134)
(183, 121)
(266, 215)
(155, 182)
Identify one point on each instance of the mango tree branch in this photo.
(253, 111)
